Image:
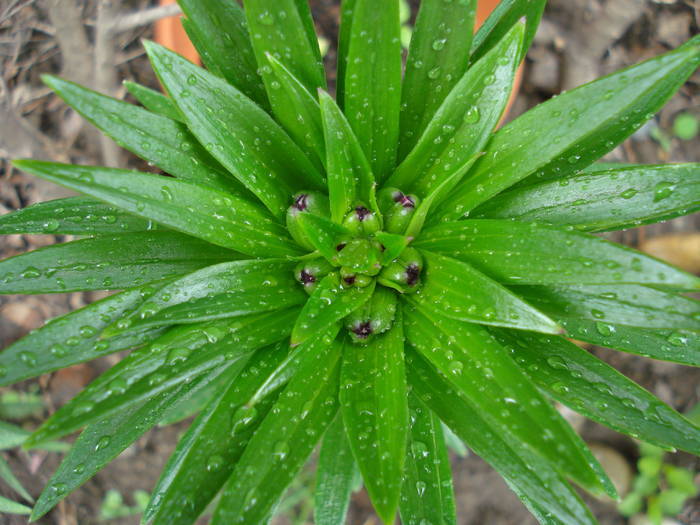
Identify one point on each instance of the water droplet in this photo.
(605, 330)
(420, 488)
(31, 273)
(472, 116)
(59, 488)
(191, 80)
(52, 225)
(663, 190)
(629, 193)
(434, 73)
(557, 363)
(439, 44)
(280, 450)
(102, 443)
(28, 358)
(215, 463)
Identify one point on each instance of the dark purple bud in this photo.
(412, 274)
(362, 213)
(300, 202)
(362, 330)
(340, 246)
(404, 200)
(307, 277)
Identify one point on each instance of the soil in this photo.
(579, 40)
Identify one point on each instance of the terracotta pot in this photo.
(169, 32)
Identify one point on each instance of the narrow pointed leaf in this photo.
(436, 193)
(101, 442)
(595, 118)
(8, 476)
(220, 282)
(393, 244)
(323, 233)
(219, 31)
(72, 216)
(426, 494)
(284, 29)
(347, 12)
(519, 253)
(283, 442)
(506, 14)
(159, 140)
(188, 352)
(578, 379)
(11, 436)
(437, 59)
(603, 200)
(297, 359)
(236, 131)
(539, 487)
(329, 303)
(373, 401)
(372, 95)
(206, 455)
(12, 507)
(111, 262)
(154, 101)
(298, 111)
(481, 370)
(626, 304)
(350, 176)
(194, 404)
(73, 338)
(216, 217)
(335, 474)
(458, 291)
(464, 122)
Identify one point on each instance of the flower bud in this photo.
(397, 209)
(359, 256)
(403, 273)
(305, 202)
(362, 221)
(310, 273)
(374, 318)
(352, 278)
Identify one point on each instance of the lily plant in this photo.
(358, 272)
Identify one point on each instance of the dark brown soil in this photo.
(579, 40)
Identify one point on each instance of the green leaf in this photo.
(12, 507)
(297, 358)
(72, 216)
(154, 101)
(506, 14)
(437, 59)
(284, 29)
(73, 338)
(426, 492)
(219, 31)
(605, 200)
(372, 93)
(335, 474)
(298, 111)
(323, 233)
(436, 193)
(625, 304)
(483, 373)
(206, 455)
(216, 217)
(236, 131)
(111, 262)
(229, 289)
(578, 379)
(464, 122)
(195, 403)
(181, 355)
(283, 442)
(514, 252)
(102, 441)
(11, 436)
(540, 488)
(350, 177)
(347, 12)
(460, 292)
(373, 401)
(393, 244)
(575, 129)
(329, 303)
(158, 140)
(8, 476)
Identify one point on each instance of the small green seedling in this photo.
(659, 490)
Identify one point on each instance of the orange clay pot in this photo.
(169, 32)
